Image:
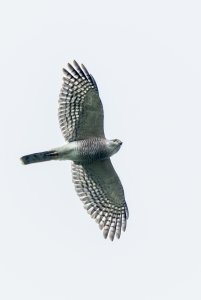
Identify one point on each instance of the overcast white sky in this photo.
(146, 59)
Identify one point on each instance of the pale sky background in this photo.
(146, 59)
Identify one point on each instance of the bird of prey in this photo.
(81, 122)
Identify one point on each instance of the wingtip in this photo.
(75, 62)
(118, 236)
(105, 233)
(111, 238)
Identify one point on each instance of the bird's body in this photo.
(81, 152)
(81, 122)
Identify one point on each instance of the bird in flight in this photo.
(81, 122)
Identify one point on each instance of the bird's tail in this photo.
(39, 157)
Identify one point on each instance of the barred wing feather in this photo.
(80, 108)
(100, 189)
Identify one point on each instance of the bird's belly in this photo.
(69, 152)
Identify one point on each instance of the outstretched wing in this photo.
(101, 191)
(80, 108)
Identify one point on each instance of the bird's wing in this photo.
(80, 108)
(98, 186)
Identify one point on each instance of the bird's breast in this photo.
(91, 149)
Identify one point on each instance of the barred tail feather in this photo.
(39, 157)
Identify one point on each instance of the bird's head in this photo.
(114, 146)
